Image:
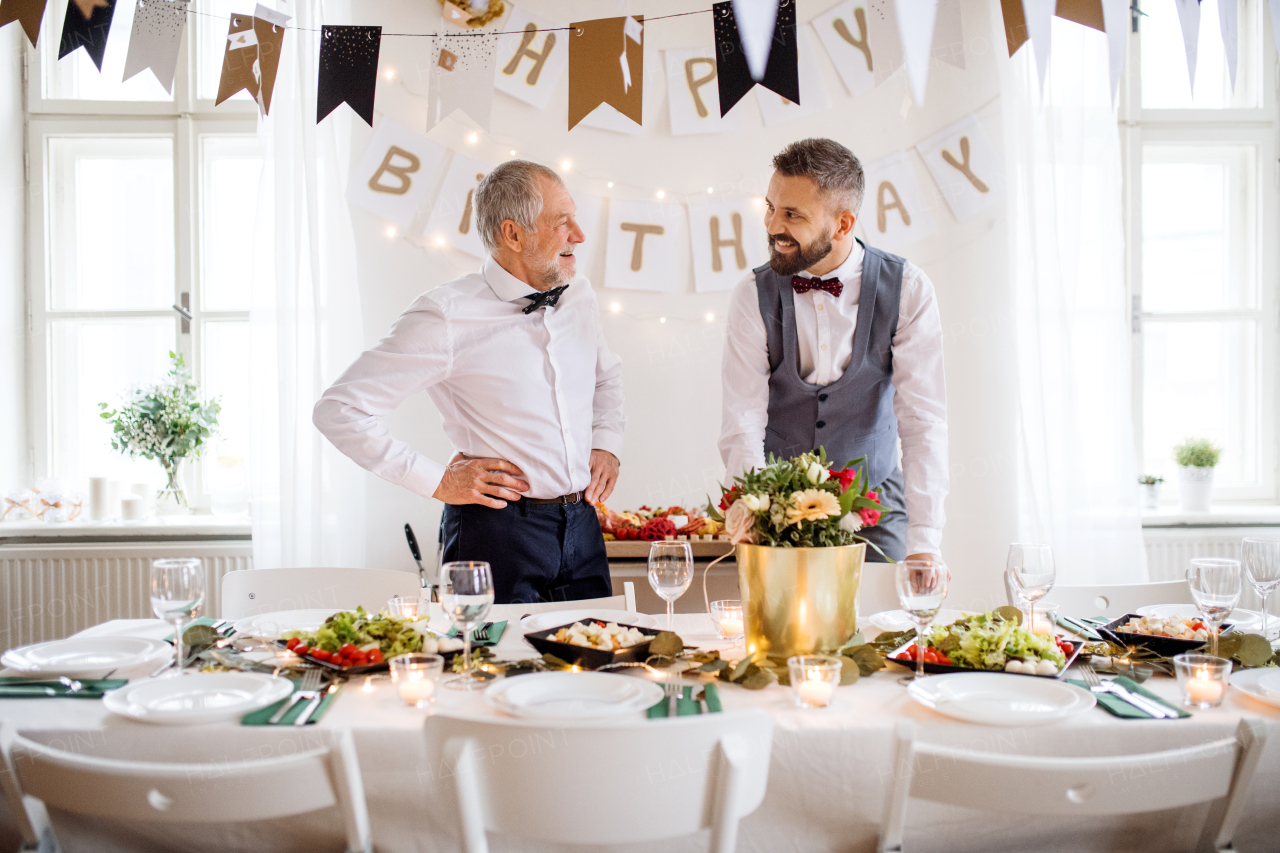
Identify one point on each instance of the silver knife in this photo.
(1140, 702)
(284, 709)
(310, 709)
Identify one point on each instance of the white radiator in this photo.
(52, 591)
(1170, 550)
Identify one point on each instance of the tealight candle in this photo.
(1044, 618)
(727, 616)
(1203, 679)
(415, 677)
(405, 608)
(814, 679)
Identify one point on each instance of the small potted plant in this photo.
(1150, 485)
(1196, 458)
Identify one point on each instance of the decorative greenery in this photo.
(1149, 480)
(1197, 453)
(1248, 651)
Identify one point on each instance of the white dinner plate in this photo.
(1261, 684)
(998, 699)
(573, 695)
(202, 697)
(272, 625)
(85, 657)
(1246, 620)
(900, 620)
(556, 618)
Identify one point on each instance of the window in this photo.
(140, 200)
(1202, 194)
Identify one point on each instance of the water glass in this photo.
(814, 679)
(415, 675)
(177, 591)
(670, 573)
(1262, 563)
(1029, 570)
(922, 587)
(466, 596)
(1203, 679)
(727, 616)
(1215, 588)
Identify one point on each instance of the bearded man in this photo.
(514, 358)
(838, 345)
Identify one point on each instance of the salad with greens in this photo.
(357, 638)
(995, 642)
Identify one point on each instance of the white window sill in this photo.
(1222, 515)
(156, 528)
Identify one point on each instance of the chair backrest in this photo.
(1117, 599)
(149, 791)
(1107, 785)
(253, 591)
(603, 784)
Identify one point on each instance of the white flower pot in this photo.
(1150, 495)
(1195, 488)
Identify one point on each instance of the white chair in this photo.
(254, 591)
(1116, 599)
(640, 782)
(1077, 787)
(153, 792)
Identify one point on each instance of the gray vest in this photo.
(853, 416)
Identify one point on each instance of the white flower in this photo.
(739, 521)
(752, 502)
(764, 502)
(815, 473)
(851, 522)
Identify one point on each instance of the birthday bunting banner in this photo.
(27, 13)
(239, 58)
(395, 173)
(268, 28)
(462, 76)
(606, 66)
(86, 25)
(156, 37)
(348, 70)
(734, 74)
(532, 58)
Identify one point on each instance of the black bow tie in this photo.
(545, 299)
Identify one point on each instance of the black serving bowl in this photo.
(942, 668)
(1163, 646)
(591, 658)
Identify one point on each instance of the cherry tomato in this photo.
(1198, 626)
(348, 650)
(300, 649)
(321, 654)
(293, 641)
(359, 659)
(375, 656)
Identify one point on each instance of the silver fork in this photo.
(1097, 685)
(673, 692)
(306, 690)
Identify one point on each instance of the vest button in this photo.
(821, 424)
(822, 398)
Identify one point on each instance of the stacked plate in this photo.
(900, 620)
(204, 697)
(85, 657)
(1260, 684)
(272, 625)
(573, 695)
(998, 699)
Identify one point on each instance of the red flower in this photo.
(870, 517)
(729, 497)
(846, 477)
(875, 496)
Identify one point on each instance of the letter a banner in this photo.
(395, 173)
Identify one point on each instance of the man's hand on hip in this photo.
(490, 482)
(604, 475)
(925, 558)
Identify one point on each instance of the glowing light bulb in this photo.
(711, 318)
(710, 190)
(758, 201)
(440, 241)
(391, 231)
(566, 165)
(473, 136)
(615, 307)
(391, 74)
(662, 319)
(611, 185)
(662, 193)
(513, 152)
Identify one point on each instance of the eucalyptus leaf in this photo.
(1010, 614)
(1254, 650)
(667, 644)
(867, 659)
(553, 661)
(759, 679)
(713, 666)
(200, 635)
(850, 670)
(1229, 645)
(740, 670)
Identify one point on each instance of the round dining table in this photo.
(830, 769)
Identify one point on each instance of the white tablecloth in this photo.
(829, 771)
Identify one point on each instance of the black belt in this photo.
(562, 500)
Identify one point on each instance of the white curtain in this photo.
(308, 501)
(1076, 457)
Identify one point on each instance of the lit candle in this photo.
(731, 627)
(817, 693)
(1202, 688)
(415, 688)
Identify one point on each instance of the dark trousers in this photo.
(537, 552)
(890, 535)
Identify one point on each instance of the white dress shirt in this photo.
(824, 328)
(540, 390)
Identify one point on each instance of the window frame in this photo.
(1258, 127)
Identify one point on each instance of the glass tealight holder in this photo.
(727, 616)
(405, 608)
(814, 679)
(1203, 679)
(1045, 619)
(415, 677)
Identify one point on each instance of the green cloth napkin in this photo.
(495, 634)
(22, 688)
(260, 717)
(1120, 708)
(686, 705)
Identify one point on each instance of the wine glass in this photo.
(922, 587)
(177, 591)
(1029, 570)
(466, 596)
(1215, 588)
(670, 573)
(1262, 562)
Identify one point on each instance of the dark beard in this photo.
(806, 257)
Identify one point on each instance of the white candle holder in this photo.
(1203, 679)
(728, 618)
(404, 608)
(814, 679)
(415, 677)
(1044, 619)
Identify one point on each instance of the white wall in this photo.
(15, 451)
(671, 370)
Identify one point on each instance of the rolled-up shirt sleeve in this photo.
(920, 405)
(607, 419)
(745, 374)
(415, 355)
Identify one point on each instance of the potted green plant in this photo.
(1196, 458)
(1150, 486)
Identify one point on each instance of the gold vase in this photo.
(799, 601)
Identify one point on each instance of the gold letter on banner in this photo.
(963, 165)
(739, 256)
(842, 29)
(696, 83)
(465, 225)
(412, 165)
(539, 59)
(637, 251)
(882, 209)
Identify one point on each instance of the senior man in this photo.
(514, 358)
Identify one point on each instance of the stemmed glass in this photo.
(1215, 588)
(1262, 562)
(1029, 570)
(922, 587)
(177, 591)
(670, 573)
(466, 596)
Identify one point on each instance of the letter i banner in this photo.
(86, 25)
(781, 73)
(348, 70)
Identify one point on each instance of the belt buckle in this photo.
(564, 500)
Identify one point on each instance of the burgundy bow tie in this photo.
(804, 285)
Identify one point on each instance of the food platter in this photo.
(589, 658)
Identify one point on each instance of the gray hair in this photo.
(834, 167)
(510, 191)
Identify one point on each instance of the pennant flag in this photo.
(1228, 23)
(861, 38)
(894, 213)
(461, 77)
(640, 249)
(775, 109)
(1039, 17)
(733, 76)
(86, 25)
(1189, 18)
(965, 166)
(948, 34)
(693, 100)
(348, 70)
(1015, 25)
(26, 12)
(532, 57)
(756, 20)
(239, 57)
(395, 173)
(915, 28)
(453, 217)
(156, 37)
(606, 66)
(268, 27)
(727, 240)
(1115, 14)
